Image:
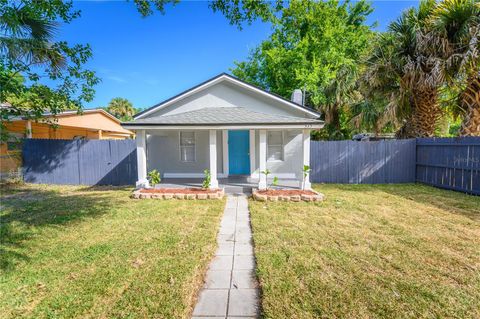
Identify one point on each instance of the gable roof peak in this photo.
(234, 80)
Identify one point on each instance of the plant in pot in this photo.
(154, 177)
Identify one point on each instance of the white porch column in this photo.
(141, 159)
(252, 152)
(29, 129)
(306, 156)
(263, 159)
(225, 151)
(213, 158)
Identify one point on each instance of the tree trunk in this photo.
(471, 101)
(425, 115)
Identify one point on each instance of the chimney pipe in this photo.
(297, 96)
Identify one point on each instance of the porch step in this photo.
(229, 189)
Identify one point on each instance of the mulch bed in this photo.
(179, 190)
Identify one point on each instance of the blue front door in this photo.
(238, 152)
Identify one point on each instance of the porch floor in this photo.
(231, 184)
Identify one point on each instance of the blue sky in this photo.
(147, 60)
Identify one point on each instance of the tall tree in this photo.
(405, 69)
(313, 46)
(29, 55)
(121, 108)
(456, 27)
(237, 12)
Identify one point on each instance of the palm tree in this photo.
(26, 40)
(121, 108)
(456, 28)
(404, 69)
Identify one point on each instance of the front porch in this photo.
(235, 157)
(231, 184)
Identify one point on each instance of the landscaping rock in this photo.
(213, 196)
(307, 198)
(179, 196)
(273, 198)
(202, 196)
(295, 198)
(261, 198)
(167, 196)
(191, 196)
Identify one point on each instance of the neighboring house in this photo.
(90, 124)
(229, 127)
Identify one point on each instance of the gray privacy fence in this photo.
(80, 162)
(450, 163)
(352, 162)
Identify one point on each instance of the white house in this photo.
(228, 126)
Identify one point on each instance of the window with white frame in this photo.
(187, 146)
(275, 146)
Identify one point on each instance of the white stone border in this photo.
(287, 198)
(138, 194)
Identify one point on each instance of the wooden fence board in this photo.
(352, 162)
(80, 162)
(450, 163)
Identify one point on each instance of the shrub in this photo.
(154, 177)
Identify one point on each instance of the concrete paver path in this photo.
(231, 288)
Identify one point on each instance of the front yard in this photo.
(95, 253)
(399, 251)
(383, 251)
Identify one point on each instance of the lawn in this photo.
(95, 253)
(370, 251)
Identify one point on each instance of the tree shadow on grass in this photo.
(449, 201)
(24, 211)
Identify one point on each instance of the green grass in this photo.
(383, 251)
(95, 253)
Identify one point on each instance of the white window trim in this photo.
(282, 145)
(180, 146)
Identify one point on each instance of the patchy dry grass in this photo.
(94, 253)
(383, 251)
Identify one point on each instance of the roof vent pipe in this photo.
(297, 96)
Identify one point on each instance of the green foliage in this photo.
(314, 46)
(207, 180)
(306, 170)
(154, 177)
(266, 172)
(275, 181)
(121, 108)
(29, 56)
(236, 12)
(418, 71)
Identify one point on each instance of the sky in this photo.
(147, 60)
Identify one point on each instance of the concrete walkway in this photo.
(231, 289)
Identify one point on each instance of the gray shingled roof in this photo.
(223, 115)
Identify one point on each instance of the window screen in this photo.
(187, 146)
(275, 146)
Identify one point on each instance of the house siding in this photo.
(163, 152)
(227, 95)
(292, 162)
